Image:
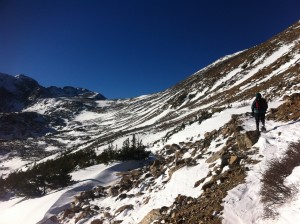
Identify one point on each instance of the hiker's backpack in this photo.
(261, 105)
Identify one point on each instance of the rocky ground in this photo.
(235, 156)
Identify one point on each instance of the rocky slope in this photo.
(37, 122)
(226, 155)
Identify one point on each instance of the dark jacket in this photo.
(259, 106)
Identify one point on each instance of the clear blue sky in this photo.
(128, 48)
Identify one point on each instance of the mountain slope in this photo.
(198, 131)
(20, 91)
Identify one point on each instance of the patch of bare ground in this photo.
(207, 208)
(288, 111)
(274, 191)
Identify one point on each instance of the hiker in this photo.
(259, 108)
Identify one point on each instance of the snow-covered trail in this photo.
(242, 204)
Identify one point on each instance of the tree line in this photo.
(55, 174)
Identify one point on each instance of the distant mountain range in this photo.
(20, 91)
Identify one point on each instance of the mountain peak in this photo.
(22, 90)
(24, 77)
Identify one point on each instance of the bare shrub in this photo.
(273, 191)
(244, 104)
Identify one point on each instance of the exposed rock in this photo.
(151, 216)
(226, 132)
(96, 207)
(208, 184)
(123, 208)
(23, 125)
(206, 208)
(155, 165)
(225, 160)
(99, 191)
(107, 215)
(68, 213)
(156, 168)
(113, 191)
(82, 215)
(122, 196)
(233, 159)
(288, 110)
(216, 156)
(247, 140)
(178, 164)
(53, 219)
(175, 147)
(136, 172)
(97, 221)
(116, 222)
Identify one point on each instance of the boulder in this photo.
(216, 156)
(113, 191)
(155, 165)
(123, 208)
(208, 184)
(247, 140)
(122, 196)
(233, 159)
(153, 215)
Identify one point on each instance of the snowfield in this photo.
(241, 205)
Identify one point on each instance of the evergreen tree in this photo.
(133, 141)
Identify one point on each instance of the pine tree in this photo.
(133, 141)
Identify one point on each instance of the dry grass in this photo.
(274, 192)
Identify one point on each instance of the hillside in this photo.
(206, 164)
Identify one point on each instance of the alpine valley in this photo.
(196, 155)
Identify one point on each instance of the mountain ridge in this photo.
(23, 91)
(199, 130)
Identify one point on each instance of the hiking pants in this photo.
(259, 117)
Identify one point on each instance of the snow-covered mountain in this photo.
(21, 91)
(206, 165)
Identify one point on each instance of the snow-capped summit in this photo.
(25, 78)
